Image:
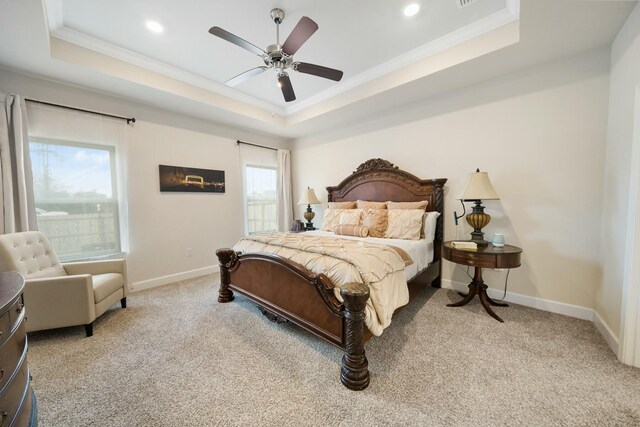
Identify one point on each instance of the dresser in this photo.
(17, 400)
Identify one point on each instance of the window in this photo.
(262, 205)
(76, 201)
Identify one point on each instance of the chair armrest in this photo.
(54, 302)
(96, 267)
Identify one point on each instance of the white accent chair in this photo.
(60, 295)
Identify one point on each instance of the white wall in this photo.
(540, 134)
(163, 225)
(625, 78)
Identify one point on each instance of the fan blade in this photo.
(300, 34)
(242, 77)
(287, 90)
(318, 70)
(232, 38)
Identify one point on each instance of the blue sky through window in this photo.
(62, 171)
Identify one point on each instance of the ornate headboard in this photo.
(379, 180)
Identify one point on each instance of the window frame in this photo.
(246, 192)
(112, 150)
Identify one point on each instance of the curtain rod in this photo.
(257, 145)
(128, 119)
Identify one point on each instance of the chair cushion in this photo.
(106, 284)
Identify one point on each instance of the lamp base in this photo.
(478, 220)
(309, 215)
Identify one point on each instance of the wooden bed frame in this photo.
(287, 291)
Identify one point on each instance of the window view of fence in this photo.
(76, 200)
(261, 199)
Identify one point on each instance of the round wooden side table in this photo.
(484, 257)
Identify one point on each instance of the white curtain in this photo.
(52, 123)
(18, 207)
(285, 202)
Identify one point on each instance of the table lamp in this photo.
(479, 188)
(308, 198)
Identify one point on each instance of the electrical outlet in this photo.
(189, 252)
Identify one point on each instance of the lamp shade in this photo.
(308, 197)
(479, 187)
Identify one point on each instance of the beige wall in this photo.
(163, 225)
(625, 78)
(541, 136)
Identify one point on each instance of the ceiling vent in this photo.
(464, 3)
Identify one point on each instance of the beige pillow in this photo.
(376, 220)
(351, 216)
(331, 218)
(362, 204)
(404, 224)
(342, 205)
(408, 205)
(352, 230)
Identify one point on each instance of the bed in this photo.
(285, 290)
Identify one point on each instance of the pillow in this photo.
(352, 230)
(331, 218)
(342, 205)
(408, 205)
(362, 204)
(376, 221)
(430, 222)
(350, 216)
(404, 224)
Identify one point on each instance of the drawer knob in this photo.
(20, 307)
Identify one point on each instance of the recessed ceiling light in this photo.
(154, 26)
(411, 9)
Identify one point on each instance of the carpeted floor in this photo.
(176, 357)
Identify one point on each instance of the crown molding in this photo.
(54, 15)
(476, 29)
(86, 41)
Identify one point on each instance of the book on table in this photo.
(465, 245)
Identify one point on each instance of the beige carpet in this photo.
(176, 357)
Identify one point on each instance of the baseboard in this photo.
(172, 278)
(570, 310)
(606, 331)
(576, 311)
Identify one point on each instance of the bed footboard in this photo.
(284, 289)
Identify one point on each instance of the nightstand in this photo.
(484, 257)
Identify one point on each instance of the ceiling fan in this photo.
(280, 57)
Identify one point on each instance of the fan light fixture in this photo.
(154, 26)
(411, 9)
(279, 57)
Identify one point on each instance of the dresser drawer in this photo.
(10, 319)
(16, 312)
(5, 328)
(14, 394)
(474, 259)
(14, 349)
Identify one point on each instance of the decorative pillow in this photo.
(351, 216)
(342, 205)
(331, 218)
(352, 230)
(408, 205)
(430, 222)
(362, 204)
(376, 220)
(404, 224)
